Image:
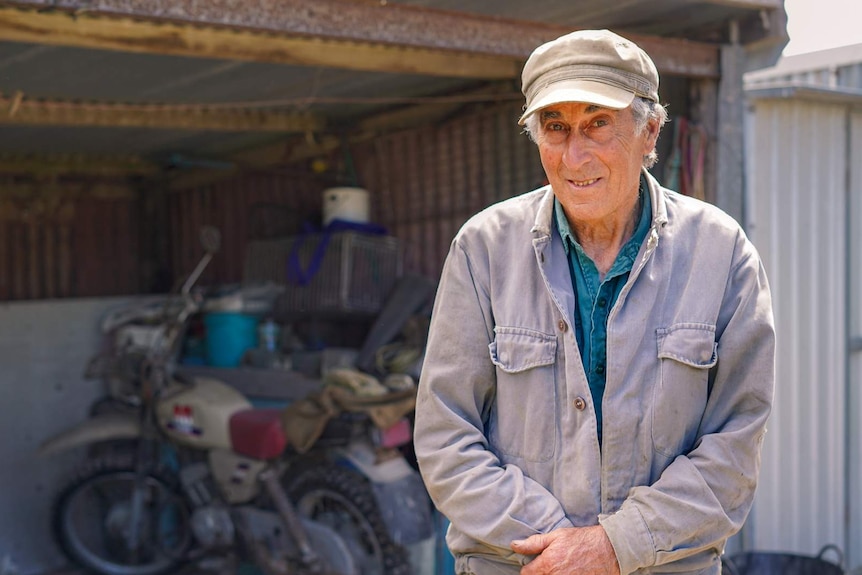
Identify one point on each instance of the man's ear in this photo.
(651, 130)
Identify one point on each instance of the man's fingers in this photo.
(532, 545)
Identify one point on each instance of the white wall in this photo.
(854, 400)
(799, 218)
(44, 349)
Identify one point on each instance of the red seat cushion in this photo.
(258, 433)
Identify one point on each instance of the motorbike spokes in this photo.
(118, 524)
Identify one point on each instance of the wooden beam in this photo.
(749, 4)
(67, 165)
(18, 110)
(729, 147)
(337, 33)
(298, 149)
(42, 197)
(168, 38)
(411, 116)
(199, 178)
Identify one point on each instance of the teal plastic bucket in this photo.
(228, 336)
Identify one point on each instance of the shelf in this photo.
(261, 383)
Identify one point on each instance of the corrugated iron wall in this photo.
(248, 207)
(425, 183)
(855, 349)
(72, 239)
(798, 216)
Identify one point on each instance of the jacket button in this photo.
(580, 403)
(562, 325)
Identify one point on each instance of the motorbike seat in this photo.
(258, 433)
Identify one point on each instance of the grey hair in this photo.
(643, 111)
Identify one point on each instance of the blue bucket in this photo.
(229, 335)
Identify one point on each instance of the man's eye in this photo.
(555, 127)
(601, 122)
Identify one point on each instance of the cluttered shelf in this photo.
(271, 384)
(309, 304)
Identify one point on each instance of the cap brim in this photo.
(586, 91)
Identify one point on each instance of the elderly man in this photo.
(599, 369)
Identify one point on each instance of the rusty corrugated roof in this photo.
(342, 96)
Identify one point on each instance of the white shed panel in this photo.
(854, 402)
(804, 214)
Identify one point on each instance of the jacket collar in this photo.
(659, 203)
(545, 214)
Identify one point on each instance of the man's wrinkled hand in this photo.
(573, 550)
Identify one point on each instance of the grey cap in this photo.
(592, 66)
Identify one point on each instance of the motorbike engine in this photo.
(213, 527)
(211, 522)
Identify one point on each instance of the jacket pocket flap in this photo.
(517, 349)
(691, 344)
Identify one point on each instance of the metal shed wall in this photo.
(803, 214)
(423, 184)
(427, 182)
(854, 382)
(247, 207)
(44, 350)
(67, 239)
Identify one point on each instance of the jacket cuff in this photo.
(631, 539)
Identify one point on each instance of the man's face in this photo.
(593, 157)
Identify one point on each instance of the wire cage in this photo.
(339, 272)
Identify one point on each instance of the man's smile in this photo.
(583, 183)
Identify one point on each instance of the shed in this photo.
(127, 124)
(124, 118)
(804, 213)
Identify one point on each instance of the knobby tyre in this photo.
(93, 520)
(344, 501)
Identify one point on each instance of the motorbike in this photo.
(186, 470)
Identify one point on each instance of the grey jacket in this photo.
(505, 428)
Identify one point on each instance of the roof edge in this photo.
(788, 90)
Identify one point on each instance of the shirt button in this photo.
(602, 302)
(579, 403)
(562, 325)
(600, 369)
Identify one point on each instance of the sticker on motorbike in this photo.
(183, 421)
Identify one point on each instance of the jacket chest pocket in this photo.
(522, 419)
(686, 353)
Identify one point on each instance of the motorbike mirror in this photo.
(210, 237)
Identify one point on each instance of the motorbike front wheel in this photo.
(111, 521)
(344, 501)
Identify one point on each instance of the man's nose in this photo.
(577, 150)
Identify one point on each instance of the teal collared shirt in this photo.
(595, 298)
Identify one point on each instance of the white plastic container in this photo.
(348, 204)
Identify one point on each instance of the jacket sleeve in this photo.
(704, 495)
(456, 390)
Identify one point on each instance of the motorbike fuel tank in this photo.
(198, 415)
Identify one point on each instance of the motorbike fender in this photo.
(362, 456)
(105, 427)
